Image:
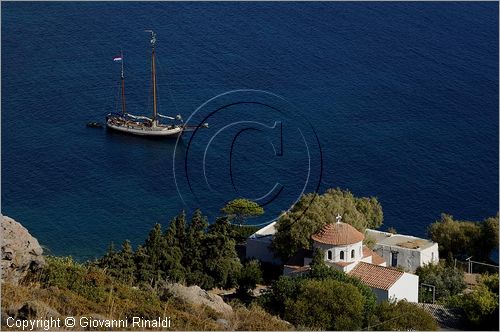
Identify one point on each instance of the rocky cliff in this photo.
(21, 252)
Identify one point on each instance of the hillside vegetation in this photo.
(67, 288)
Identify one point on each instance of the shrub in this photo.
(481, 304)
(403, 316)
(447, 280)
(249, 276)
(326, 304)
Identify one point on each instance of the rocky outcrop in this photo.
(34, 310)
(21, 252)
(196, 295)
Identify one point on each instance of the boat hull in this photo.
(156, 131)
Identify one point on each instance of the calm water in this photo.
(403, 98)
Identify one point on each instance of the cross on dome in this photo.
(338, 217)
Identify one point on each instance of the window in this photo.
(329, 255)
(352, 253)
(432, 257)
(394, 258)
(342, 255)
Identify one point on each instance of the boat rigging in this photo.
(143, 125)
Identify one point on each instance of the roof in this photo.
(341, 264)
(338, 233)
(267, 230)
(399, 240)
(376, 259)
(376, 276)
(298, 269)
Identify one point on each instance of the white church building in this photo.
(343, 249)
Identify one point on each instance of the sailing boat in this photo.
(143, 125)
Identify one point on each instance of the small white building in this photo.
(343, 249)
(259, 245)
(388, 284)
(407, 252)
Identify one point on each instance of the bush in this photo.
(465, 238)
(249, 277)
(403, 316)
(87, 281)
(254, 318)
(321, 302)
(447, 280)
(325, 304)
(481, 304)
(319, 270)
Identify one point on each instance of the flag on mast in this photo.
(118, 58)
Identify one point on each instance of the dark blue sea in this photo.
(393, 100)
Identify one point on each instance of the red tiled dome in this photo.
(337, 234)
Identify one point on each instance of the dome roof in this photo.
(338, 233)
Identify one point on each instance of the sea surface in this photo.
(393, 100)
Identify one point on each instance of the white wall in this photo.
(406, 288)
(427, 255)
(407, 258)
(357, 247)
(259, 248)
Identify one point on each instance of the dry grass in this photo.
(183, 316)
(54, 302)
(414, 244)
(255, 318)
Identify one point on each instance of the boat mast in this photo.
(123, 86)
(153, 75)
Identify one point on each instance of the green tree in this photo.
(319, 270)
(192, 254)
(221, 261)
(174, 255)
(447, 280)
(144, 269)
(250, 275)
(313, 211)
(126, 265)
(489, 236)
(326, 305)
(281, 290)
(403, 316)
(240, 209)
(175, 235)
(120, 265)
(481, 304)
(465, 238)
(159, 258)
(108, 259)
(154, 250)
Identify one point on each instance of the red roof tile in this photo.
(376, 259)
(338, 233)
(376, 276)
(342, 264)
(298, 269)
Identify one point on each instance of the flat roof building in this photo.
(405, 251)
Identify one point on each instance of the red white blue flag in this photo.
(118, 58)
